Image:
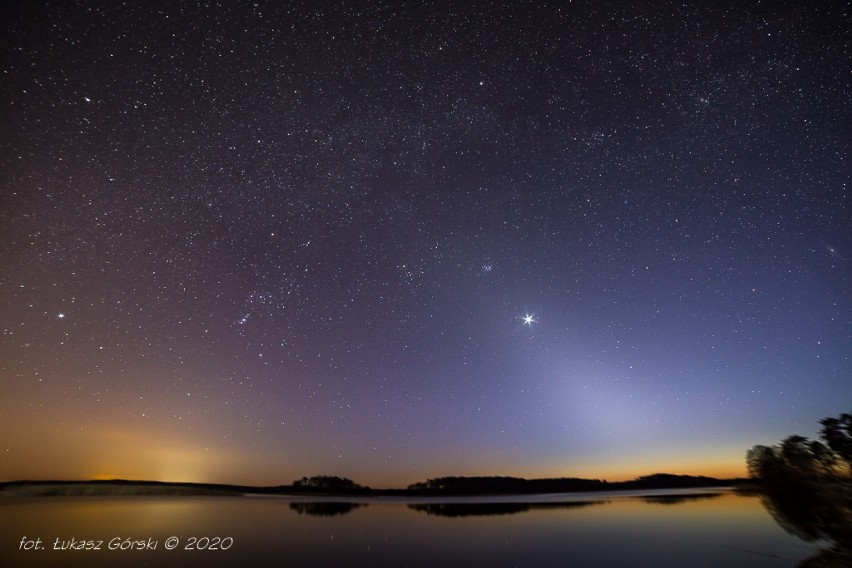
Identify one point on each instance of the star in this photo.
(379, 257)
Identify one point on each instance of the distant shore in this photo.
(454, 486)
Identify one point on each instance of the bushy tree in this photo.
(327, 483)
(824, 457)
(809, 487)
(837, 432)
(764, 462)
(799, 459)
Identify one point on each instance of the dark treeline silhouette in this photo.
(516, 485)
(333, 485)
(807, 487)
(121, 487)
(328, 484)
(800, 461)
(670, 481)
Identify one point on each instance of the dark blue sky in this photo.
(248, 241)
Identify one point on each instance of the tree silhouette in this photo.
(764, 462)
(799, 460)
(824, 457)
(808, 487)
(330, 483)
(837, 432)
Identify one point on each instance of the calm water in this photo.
(713, 528)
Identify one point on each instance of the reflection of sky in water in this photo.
(724, 530)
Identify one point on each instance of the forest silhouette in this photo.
(807, 487)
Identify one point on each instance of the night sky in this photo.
(247, 242)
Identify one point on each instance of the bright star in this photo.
(60, 315)
(528, 319)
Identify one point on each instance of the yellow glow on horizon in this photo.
(101, 452)
(710, 463)
(104, 476)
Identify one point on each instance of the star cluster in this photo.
(250, 241)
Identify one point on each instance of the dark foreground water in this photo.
(671, 528)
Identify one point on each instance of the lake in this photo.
(650, 528)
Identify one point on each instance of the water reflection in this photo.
(676, 499)
(325, 508)
(816, 514)
(725, 529)
(488, 509)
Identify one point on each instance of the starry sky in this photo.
(244, 242)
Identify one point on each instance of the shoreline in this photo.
(122, 487)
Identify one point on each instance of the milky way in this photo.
(246, 242)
